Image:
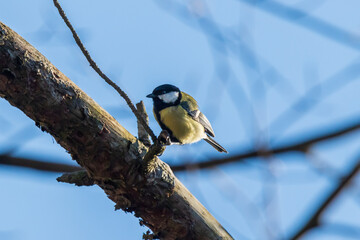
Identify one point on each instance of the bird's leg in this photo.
(164, 138)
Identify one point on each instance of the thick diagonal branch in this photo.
(108, 152)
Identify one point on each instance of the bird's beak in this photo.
(151, 95)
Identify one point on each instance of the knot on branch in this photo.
(79, 178)
(148, 163)
(160, 181)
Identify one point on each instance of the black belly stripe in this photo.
(164, 127)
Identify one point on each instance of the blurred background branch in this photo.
(302, 146)
(315, 218)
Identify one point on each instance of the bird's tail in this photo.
(215, 145)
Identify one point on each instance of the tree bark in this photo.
(110, 154)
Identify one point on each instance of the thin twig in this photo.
(37, 164)
(301, 146)
(101, 74)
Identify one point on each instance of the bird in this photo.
(179, 116)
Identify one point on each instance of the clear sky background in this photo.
(246, 71)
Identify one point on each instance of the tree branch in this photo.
(301, 146)
(111, 156)
(37, 164)
(314, 219)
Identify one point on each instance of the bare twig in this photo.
(301, 146)
(142, 134)
(314, 219)
(101, 74)
(37, 164)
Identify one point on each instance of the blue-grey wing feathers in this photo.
(199, 117)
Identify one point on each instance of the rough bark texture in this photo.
(109, 153)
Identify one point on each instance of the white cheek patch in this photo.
(170, 97)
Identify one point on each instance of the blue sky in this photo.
(142, 44)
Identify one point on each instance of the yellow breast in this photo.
(183, 127)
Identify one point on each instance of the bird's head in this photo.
(166, 94)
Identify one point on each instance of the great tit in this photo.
(178, 114)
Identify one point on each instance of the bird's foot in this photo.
(164, 138)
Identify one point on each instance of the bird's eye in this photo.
(163, 92)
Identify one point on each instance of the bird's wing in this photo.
(199, 117)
